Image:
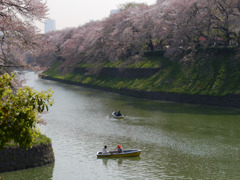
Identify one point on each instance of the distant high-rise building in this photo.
(114, 11)
(49, 25)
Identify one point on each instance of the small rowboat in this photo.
(114, 114)
(125, 153)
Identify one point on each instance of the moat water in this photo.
(178, 141)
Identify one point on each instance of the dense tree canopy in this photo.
(126, 6)
(19, 112)
(18, 30)
(177, 27)
(190, 23)
(19, 108)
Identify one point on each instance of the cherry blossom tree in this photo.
(19, 107)
(17, 28)
(188, 23)
(178, 27)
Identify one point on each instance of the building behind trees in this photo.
(49, 25)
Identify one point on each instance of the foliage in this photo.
(18, 30)
(189, 24)
(54, 69)
(19, 112)
(176, 28)
(201, 36)
(219, 76)
(126, 6)
(118, 37)
(40, 139)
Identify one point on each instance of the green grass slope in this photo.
(214, 75)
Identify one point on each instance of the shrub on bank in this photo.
(40, 140)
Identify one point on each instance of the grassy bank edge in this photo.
(215, 75)
(41, 139)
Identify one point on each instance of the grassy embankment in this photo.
(215, 75)
(41, 139)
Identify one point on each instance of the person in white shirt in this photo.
(104, 150)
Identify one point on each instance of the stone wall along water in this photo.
(15, 158)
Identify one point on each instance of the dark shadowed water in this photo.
(178, 141)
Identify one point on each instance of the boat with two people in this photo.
(124, 153)
(117, 115)
(119, 152)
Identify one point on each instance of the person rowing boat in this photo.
(118, 115)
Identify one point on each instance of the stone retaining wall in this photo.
(15, 158)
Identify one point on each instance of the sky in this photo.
(74, 13)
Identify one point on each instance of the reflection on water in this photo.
(119, 161)
(44, 172)
(178, 141)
